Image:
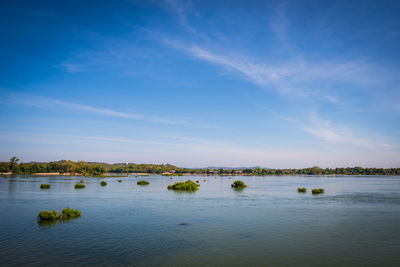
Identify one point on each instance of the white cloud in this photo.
(336, 134)
(43, 102)
(295, 76)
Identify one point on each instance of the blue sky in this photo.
(280, 84)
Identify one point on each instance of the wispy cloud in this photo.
(74, 67)
(295, 76)
(44, 102)
(280, 24)
(338, 135)
(181, 8)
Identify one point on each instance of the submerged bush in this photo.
(301, 190)
(79, 186)
(119, 181)
(68, 213)
(47, 215)
(318, 191)
(143, 182)
(44, 186)
(238, 184)
(103, 183)
(184, 186)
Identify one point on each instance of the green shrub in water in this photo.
(318, 191)
(69, 213)
(238, 184)
(103, 183)
(143, 182)
(47, 215)
(301, 190)
(119, 181)
(184, 186)
(79, 186)
(44, 186)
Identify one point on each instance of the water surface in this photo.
(356, 222)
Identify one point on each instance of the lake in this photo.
(356, 222)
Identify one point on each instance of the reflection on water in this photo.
(47, 223)
(354, 223)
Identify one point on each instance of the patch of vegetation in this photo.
(172, 174)
(119, 181)
(79, 186)
(184, 186)
(69, 213)
(44, 186)
(103, 183)
(238, 184)
(301, 189)
(52, 216)
(197, 181)
(318, 191)
(143, 182)
(47, 215)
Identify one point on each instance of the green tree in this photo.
(13, 164)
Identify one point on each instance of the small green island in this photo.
(48, 215)
(189, 185)
(44, 186)
(302, 190)
(317, 191)
(238, 184)
(79, 186)
(67, 213)
(103, 183)
(143, 182)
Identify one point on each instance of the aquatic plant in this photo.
(318, 191)
(69, 213)
(119, 181)
(238, 184)
(143, 182)
(103, 183)
(47, 215)
(79, 186)
(44, 186)
(184, 186)
(197, 181)
(301, 189)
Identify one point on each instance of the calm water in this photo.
(355, 223)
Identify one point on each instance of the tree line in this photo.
(63, 166)
(99, 168)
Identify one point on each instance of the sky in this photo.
(277, 84)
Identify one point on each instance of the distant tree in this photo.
(13, 164)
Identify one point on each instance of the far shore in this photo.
(76, 174)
